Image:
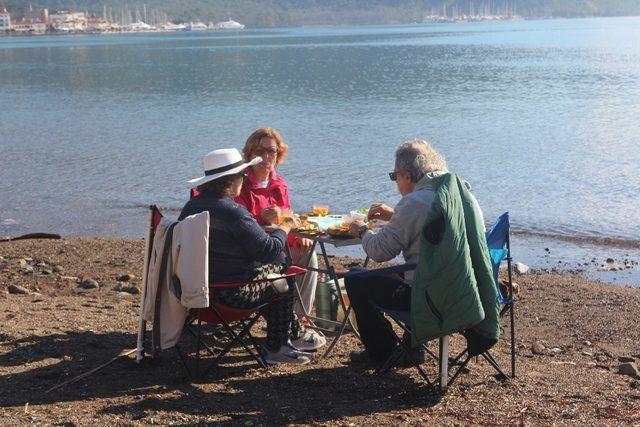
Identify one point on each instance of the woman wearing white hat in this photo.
(239, 249)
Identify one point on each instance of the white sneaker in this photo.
(309, 341)
(286, 354)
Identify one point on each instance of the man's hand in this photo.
(288, 223)
(354, 228)
(270, 214)
(380, 211)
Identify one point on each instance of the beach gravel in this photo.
(64, 331)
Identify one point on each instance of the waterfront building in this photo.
(68, 22)
(5, 20)
(30, 26)
(101, 25)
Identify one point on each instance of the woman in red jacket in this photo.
(266, 195)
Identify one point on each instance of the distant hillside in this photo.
(270, 13)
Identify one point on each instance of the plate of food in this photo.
(308, 227)
(341, 231)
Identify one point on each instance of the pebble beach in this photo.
(70, 305)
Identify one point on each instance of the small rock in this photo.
(555, 350)
(547, 250)
(634, 384)
(586, 353)
(46, 271)
(630, 369)
(22, 262)
(131, 289)
(587, 343)
(70, 278)
(89, 284)
(626, 359)
(538, 348)
(41, 264)
(27, 270)
(58, 269)
(520, 268)
(17, 290)
(126, 277)
(610, 261)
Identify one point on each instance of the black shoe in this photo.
(416, 356)
(361, 357)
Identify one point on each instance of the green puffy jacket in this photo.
(453, 288)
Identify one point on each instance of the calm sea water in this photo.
(541, 117)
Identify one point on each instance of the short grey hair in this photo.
(419, 158)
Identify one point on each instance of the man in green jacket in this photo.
(418, 173)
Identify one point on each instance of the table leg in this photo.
(306, 310)
(346, 310)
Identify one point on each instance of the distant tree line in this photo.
(274, 13)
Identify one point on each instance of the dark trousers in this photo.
(383, 290)
(281, 323)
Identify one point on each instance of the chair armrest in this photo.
(382, 271)
(290, 272)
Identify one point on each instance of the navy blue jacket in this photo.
(237, 244)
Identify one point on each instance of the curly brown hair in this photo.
(254, 140)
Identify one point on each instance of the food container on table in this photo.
(357, 216)
(320, 210)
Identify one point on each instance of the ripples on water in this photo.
(541, 117)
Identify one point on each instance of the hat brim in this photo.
(204, 179)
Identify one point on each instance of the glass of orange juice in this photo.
(283, 214)
(320, 210)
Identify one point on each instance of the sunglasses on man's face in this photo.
(393, 175)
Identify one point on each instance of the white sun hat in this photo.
(222, 162)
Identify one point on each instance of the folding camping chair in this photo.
(225, 317)
(217, 314)
(499, 249)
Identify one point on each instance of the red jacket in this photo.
(256, 199)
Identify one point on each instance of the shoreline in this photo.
(58, 330)
(608, 260)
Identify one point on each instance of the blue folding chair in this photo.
(499, 250)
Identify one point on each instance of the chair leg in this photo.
(513, 343)
(202, 343)
(402, 347)
(391, 360)
(236, 338)
(199, 341)
(492, 361)
(456, 359)
(184, 363)
(459, 371)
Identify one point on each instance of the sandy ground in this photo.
(58, 330)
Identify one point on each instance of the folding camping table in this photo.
(322, 241)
